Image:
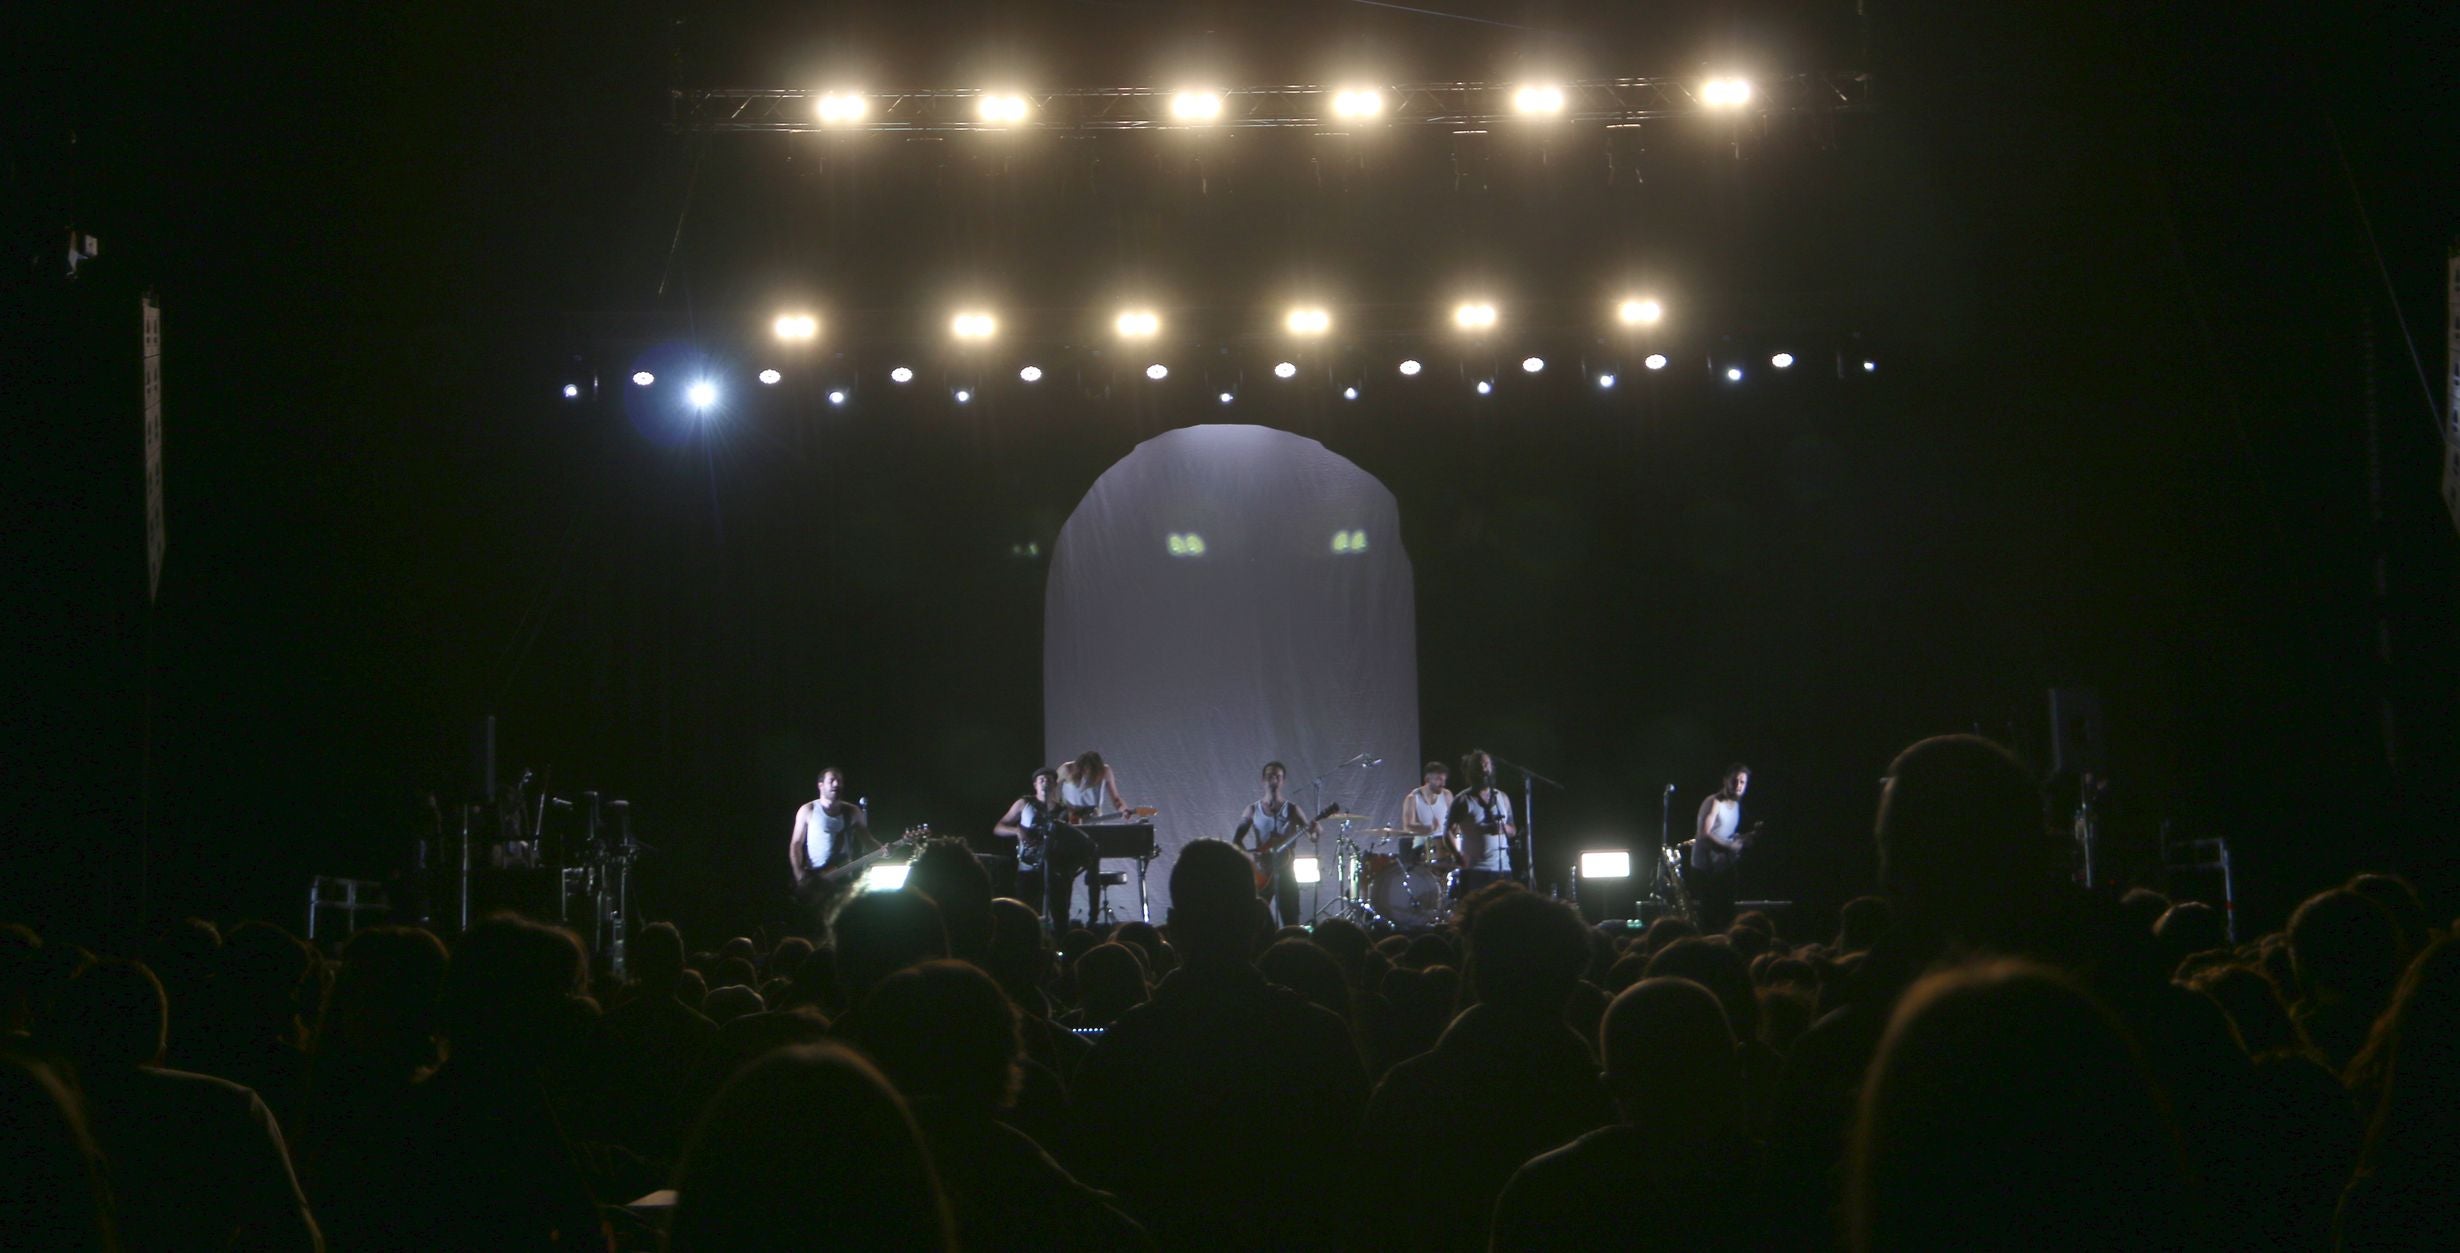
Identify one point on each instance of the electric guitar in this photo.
(1080, 817)
(849, 870)
(1270, 855)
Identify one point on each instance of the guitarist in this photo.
(1716, 850)
(1269, 830)
(828, 832)
(1050, 854)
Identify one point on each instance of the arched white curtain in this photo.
(1226, 596)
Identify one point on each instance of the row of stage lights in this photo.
(702, 393)
(976, 326)
(1202, 106)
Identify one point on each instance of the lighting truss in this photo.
(1452, 106)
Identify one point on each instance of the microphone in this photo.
(1669, 789)
(1369, 764)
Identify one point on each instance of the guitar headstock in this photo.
(915, 835)
(1141, 811)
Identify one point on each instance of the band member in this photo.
(1088, 788)
(1716, 849)
(1270, 830)
(1481, 824)
(1424, 811)
(828, 832)
(1049, 854)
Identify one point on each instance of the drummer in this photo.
(1424, 810)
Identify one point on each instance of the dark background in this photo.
(2141, 285)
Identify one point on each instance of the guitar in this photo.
(1080, 817)
(1709, 856)
(847, 871)
(1269, 855)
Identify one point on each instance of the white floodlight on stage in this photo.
(1726, 93)
(842, 108)
(999, 108)
(572, 391)
(902, 374)
(885, 876)
(973, 326)
(963, 395)
(1349, 393)
(1138, 324)
(1286, 370)
(1531, 365)
(643, 378)
(1474, 315)
(771, 378)
(1031, 374)
(1538, 100)
(1196, 106)
(837, 397)
(1640, 311)
(1869, 367)
(1410, 368)
(1655, 361)
(1605, 864)
(1605, 382)
(1358, 102)
(1783, 360)
(1307, 320)
(701, 394)
(1485, 387)
(1226, 398)
(1305, 870)
(1733, 374)
(796, 328)
(1157, 371)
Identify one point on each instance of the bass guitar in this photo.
(1270, 855)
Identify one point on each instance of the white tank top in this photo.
(1081, 796)
(1422, 814)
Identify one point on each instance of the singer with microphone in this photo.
(828, 832)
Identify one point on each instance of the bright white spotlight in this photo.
(1605, 382)
(643, 378)
(1306, 870)
(1726, 93)
(1782, 360)
(1869, 367)
(1531, 365)
(1474, 315)
(1484, 387)
(701, 394)
(1410, 368)
(1157, 371)
(1655, 361)
(1349, 393)
(572, 391)
(1733, 374)
(964, 395)
(796, 328)
(1605, 864)
(842, 108)
(1031, 374)
(837, 398)
(1307, 320)
(1225, 398)
(1538, 99)
(999, 108)
(1138, 324)
(885, 876)
(902, 374)
(1196, 106)
(973, 326)
(1640, 311)
(1358, 102)
(771, 377)
(1286, 370)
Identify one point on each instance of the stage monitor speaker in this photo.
(2077, 737)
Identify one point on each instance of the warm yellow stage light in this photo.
(1726, 93)
(1138, 324)
(842, 108)
(1308, 320)
(973, 326)
(1476, 315)
(1002, 108)
(1358, 102)
(796, 328)
(1196, 106)
(1542, 99)
(1640, 311)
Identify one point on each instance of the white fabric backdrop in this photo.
(1189, 671)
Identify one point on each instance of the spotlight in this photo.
(1308, 320)
(1869, 367)
(1655, 361)
(1157, 371)
(796, 328)
(1306, 870)
(1002, 108)
(885, 876)
(1474, 316)
(1485, 387)
(1286, 370)
(770, 377)
(1726, 93)
(701, 394)
(1410, 368)
(837, 398)
(1358, 102)
(1538, 99)
(1349, 393)
(1531, 365)
(973, 326)
(572, 391)
(1782, 360)
(1196, 106)
(1605, 864)
(1031, 374)
(902, 374)
(643, 378)
(1605, 382)
(964, 395)
(1733, 374)
(1138, 324)
(1640, 311)
(1225, 398)
(842, 108)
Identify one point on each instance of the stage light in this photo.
(1187, 545)
(701, 394)
(885, 876)
(1640, 311)
(1485, 387)
(1474, 315)
(796, 328)
(1870, 367)
(1358, 102)
(1157, 371)
(1304, 870)
(902, 374)
(771, 377)
(643, 378)
(572, 391)
(1138, 324)
(1307, 320)
(1409, 369)
(1726, 93)
(1531, 365)
(1605, 382)
(998, 108)
(1538, 99)
(1655, 361)
(973, 326)
(1605, 864)
(1782, 360)
(1031, 374)
(837, 398)
(1196, 106)
(842, 108)
(1349, 393)
(1286, 370)
(963, 395)
(1733, 374)
(1226, 398)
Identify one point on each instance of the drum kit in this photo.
(1393, 879)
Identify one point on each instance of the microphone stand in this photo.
(1529, 779)
(1665, 837)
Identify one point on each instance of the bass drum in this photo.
(1408, 897)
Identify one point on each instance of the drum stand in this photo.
(1346, 861)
